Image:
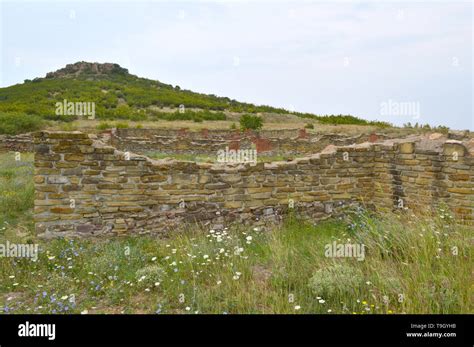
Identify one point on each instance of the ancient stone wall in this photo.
(276, 142)
(16, 143)
(418, 179)
(84, 187)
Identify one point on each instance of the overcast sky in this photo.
(394, 61)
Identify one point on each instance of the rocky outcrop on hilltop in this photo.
(85, 68)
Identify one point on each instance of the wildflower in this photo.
(238, 250)
(188, 308)
(85, 312)
(205, 256)
(321, 301)
(157, 284)
(297, 307)
(329, 311)
(153, 259)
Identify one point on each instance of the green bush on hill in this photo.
(16, 123)
(248, 121)
(342, 120)
(190, 115)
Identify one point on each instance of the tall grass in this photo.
(245, 270)
(16, 187)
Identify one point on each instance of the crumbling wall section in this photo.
(84, 187)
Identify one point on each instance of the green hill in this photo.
(117, 94)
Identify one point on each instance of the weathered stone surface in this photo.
(94, 189)
(74, 157)
(58, 180)
(61, 210)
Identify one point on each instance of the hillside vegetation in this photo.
(117, 94)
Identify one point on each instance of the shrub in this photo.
(251, 122)
(336, 279)
(309, 126)
(442, 129)
(342, 119)
(17, 123)
(68, 127)
(233, 126)
(103, 126)
(149, 275)
(59, 118)
(197, 116)
(121, 125)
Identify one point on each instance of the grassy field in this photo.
(411, 265)
(271, 122)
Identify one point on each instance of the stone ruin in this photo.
(84, 186)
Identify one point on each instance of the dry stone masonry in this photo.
(84, 187)
(273, 142)
(16, 143)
